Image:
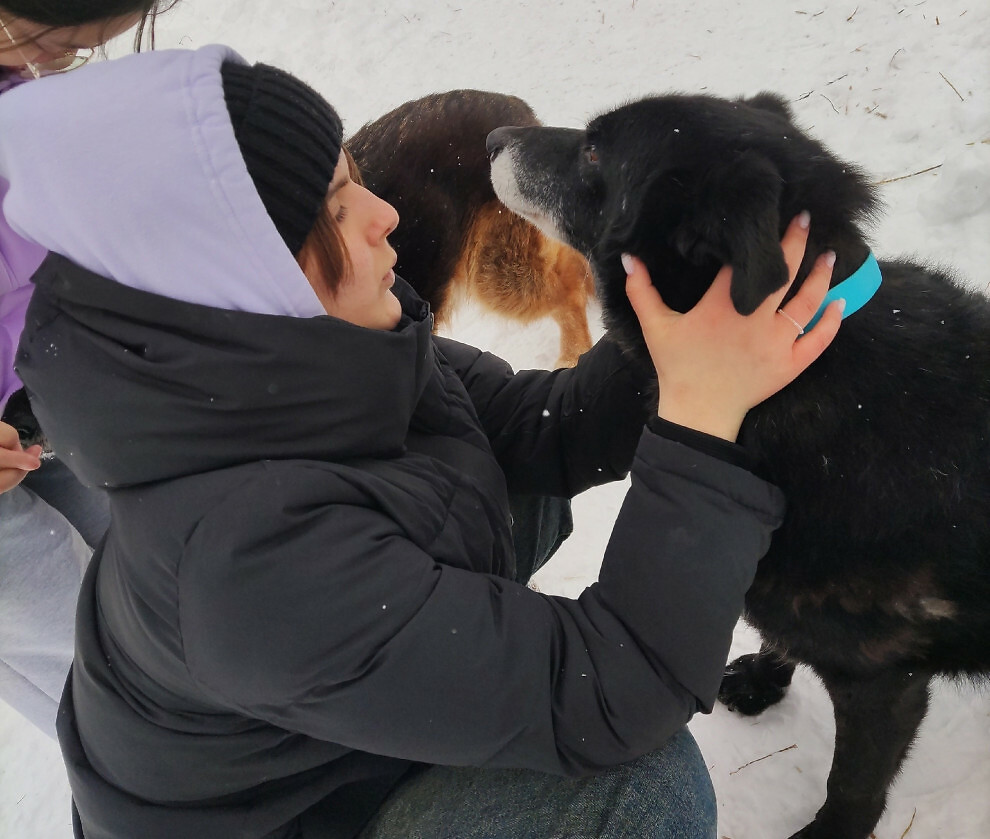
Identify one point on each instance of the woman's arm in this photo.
(558, 432)
(328, 620)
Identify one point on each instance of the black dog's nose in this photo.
(498, 140)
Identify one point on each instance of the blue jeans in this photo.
(666, 794)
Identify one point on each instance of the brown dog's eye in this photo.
(591, 154)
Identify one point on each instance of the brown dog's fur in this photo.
(428, 159)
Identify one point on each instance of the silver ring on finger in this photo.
(797, 325)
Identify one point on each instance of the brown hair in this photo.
(55, 14)
(324, 249)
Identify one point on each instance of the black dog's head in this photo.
(686, 183)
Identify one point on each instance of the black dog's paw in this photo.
(751, 684)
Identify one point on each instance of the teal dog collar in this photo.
(856, 290)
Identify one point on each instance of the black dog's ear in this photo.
(733, 216)
(769, 101)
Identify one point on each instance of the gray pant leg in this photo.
(87, 510)
(663, 795)
(42, 559)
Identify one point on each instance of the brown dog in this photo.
(428, 159)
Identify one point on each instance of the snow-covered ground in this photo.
(902, 88)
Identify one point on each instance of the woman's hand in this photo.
(15, 462)
(714, 364)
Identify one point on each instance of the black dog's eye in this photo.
(591, 154)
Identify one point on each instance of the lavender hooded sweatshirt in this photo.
(56, 194)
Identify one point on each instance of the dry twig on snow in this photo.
(792, 746)
(910, 823)
(905, 177)
(950, 84)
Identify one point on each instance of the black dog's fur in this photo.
(879, 578)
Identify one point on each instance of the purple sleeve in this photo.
(19, 259)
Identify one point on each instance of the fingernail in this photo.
(841, 301)
(804, 220)
(830, 259)
(627, 263)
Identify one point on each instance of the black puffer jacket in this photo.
(304, 585)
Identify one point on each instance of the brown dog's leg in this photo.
(517, 272)
(876, 721)
(573, 285)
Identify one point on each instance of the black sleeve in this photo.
(365, 641)
(558, 432)
(715, 446)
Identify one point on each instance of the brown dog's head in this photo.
(686, 183)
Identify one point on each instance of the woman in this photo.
(49, 522)
(304, 619)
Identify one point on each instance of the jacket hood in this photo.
(133, 388)
(130, 168)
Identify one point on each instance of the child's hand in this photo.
(714, 364)
(15, 462)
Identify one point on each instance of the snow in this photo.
(900, 88)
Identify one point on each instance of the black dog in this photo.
(879, 578)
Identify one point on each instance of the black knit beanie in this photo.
(290, 139)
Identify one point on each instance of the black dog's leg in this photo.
(754, 682)
(875, 724)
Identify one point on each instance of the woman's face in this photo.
(26, 42)
(364, 297)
